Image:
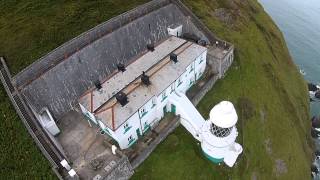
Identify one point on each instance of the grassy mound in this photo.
(270, 97)
(263, 83)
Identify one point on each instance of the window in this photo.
(201, 59)
(142, 111)
(220, 132)
(146, 125)
(172, 88)
(191, 68)
(164, 96)
(179, 82)
(130, 138)
(191, 82)
(126, 127)
(154, 102)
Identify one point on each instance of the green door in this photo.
(173, 108)
(138, 133)
(164, 110)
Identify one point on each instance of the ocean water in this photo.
(299, 21)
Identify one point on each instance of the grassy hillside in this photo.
(28, 30)
(270, 97)
(263, 83)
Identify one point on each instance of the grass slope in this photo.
(28, 30)
(263, 83)
(269, 94)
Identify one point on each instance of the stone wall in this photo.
(58, 84)
(162, 135)
(123, 170)
(206, 88)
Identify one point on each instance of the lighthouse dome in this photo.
(224, 115)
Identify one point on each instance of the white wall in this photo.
(153, 114)
(88, 114)
(122, 134)
(200, 65)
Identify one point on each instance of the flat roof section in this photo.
(218, 52)
(162, 75)
(96, 98)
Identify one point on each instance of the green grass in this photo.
(270, 97)
(269, 94)
(28, 30)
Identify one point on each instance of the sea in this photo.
(299, 21)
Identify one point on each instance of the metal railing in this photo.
(49, 150)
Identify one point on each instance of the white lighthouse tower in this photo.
(219, 134)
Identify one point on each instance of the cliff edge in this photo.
(271, 98)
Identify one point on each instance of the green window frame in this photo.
(131, 140)
(105, 130)
(201, 60)
(126, 127)
(191, 82)
(142, 112)
(164, 96)
(172, 87)
(179, 82)
(154, 102)
(146, 127)
(191, 69)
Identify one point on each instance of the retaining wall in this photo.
(59, 86)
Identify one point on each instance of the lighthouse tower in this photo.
(219, 134)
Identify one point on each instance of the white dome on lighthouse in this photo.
(224, 115)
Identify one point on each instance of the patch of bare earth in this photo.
(280, 167)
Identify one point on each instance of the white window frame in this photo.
(126, 125)
(172, 87)
(154, 101)
(142, 110)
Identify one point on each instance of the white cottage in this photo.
(125, 105)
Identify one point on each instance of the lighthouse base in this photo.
(212, 159)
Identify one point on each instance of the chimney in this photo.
(121, 67)
(98, 85)
(150, 47)
(122, 98)
(174, 57)
(145, 79)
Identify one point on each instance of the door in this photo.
(138, 133)
(173, 108)
(164, 110)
